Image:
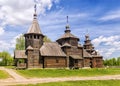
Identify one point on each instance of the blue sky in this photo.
(100, 18)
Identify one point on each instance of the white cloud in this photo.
(106, 40)
(6, 46)
(13, 41)
(107, 45)
(1, 31)
(111, 16)
(16, 12)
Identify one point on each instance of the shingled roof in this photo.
(96, 56)
(79, 45)
(20, 54)
(66, 45)
(68, 35)
(86, 54)
(76, 56)
(29, 48)
(34, 28)
(51, 49)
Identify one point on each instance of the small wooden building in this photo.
(20, 59)
(53, 56)
(66, 52)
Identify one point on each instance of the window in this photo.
(34, 36)
(37, 37)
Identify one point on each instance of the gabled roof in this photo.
(51, 49)
(20, 54)
(29, 48)
(86, 54)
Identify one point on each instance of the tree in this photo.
(112, 62)
(118, 61)
(6, 59)
(46, 39)
(20, 43)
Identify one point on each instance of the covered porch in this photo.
(75, 62)
(20, 59)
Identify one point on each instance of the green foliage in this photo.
(46, 39)
(67, 73)
(20, 43)
(21, 60)
(80, 83)
(3, 75)
(112, 62)
(6, 59)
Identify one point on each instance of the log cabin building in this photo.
(66, 52)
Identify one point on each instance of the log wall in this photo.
(55, 62)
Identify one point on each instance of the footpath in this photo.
(18, 79)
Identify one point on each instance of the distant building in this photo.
(66, 52)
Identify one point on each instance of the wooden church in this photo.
(66, 52)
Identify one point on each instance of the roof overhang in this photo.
(76, 56)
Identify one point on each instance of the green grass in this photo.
(67, 73)
(80, 83)
(10, 67)
(4, 75)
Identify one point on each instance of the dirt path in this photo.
(15, 76)
(17, 79)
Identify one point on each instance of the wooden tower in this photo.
(88, 46)
(33, 42)
(68, 38)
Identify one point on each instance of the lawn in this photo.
(9, 67)
(80, 83)
(3, 74)
(30, 73)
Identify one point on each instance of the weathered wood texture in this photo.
(65, 52)
(97, 62)
(34, 59)
(76, 63)
(87, 62)
(55, 62)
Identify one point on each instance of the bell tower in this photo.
(34, 36)
(33, 43)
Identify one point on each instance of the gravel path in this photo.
(17, 79)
